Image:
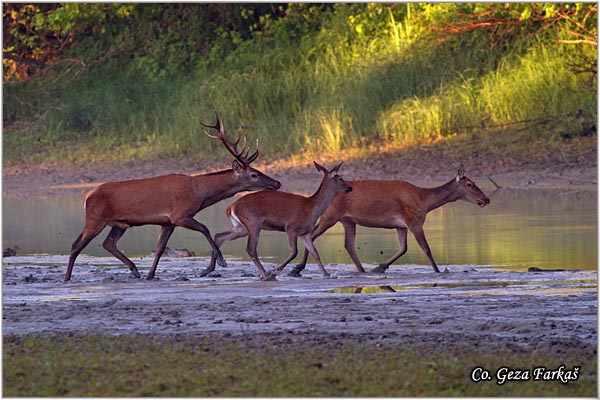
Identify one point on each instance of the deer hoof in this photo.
(205, 272)
(295, 274)
(296, 271)
(380, 269)
(136, 273)
(221, 262)
(271, 276)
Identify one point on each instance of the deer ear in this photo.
(320, 167)
(236, 167)
(335, 169)
(461, 173)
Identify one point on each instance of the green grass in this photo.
(96, 365)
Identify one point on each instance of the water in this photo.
(519, 229)
(548, 284)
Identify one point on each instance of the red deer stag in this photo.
(280, 211)
(168, 201)
(392, 204)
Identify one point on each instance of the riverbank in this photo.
(509, 159)
(477, 303)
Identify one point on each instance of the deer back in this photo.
(271, 210)
(140, 201)
(376, 203)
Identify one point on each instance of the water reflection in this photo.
(558, 283)
(518, 229)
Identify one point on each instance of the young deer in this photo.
(392, 204)
(168, 201)
(280, 211)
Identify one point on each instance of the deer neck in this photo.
(437, 197)
(322, 198)
(215, 186)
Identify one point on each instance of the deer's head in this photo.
(469, 191)
(331, 177)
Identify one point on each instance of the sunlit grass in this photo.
(536, 86)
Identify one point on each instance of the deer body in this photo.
(256, 206)
(280, 211)
(168, 201)
(392, 204)
(161, 200)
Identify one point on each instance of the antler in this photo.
(254, 155)
(232, 147)
(461, 172)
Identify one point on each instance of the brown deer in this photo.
(168, 201)
(281, 211)
(392, 204)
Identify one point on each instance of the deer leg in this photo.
(220, 239)
(402, 232)
(110, 244)
(300, 266)
(420, 236)
(251, 246)
(89, 232)
(308, 243)
(321, 227)
(293, 242)
(349, 243)
(191, 223)
(165, 233)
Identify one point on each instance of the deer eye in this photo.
(254, 175)
(469, 184)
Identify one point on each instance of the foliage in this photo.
(160, 39)
(300, 77)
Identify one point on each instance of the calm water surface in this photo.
(518, 229)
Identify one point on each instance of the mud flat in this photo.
(471, 305)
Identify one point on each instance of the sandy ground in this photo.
(477, 306)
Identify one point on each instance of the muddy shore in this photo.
(475, 306)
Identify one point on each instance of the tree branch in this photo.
(22, 60)
(577, 41)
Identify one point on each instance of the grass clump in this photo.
(98, 365)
